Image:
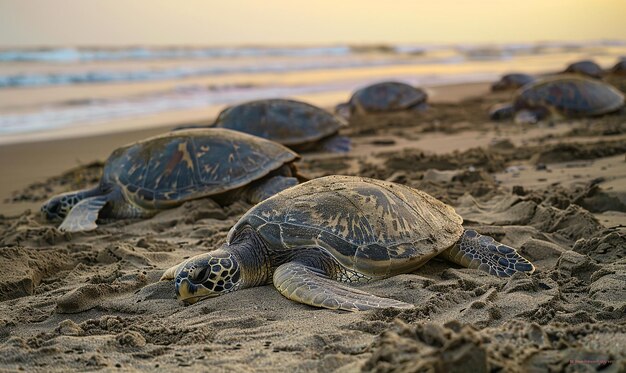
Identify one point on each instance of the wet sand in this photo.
(555, 191)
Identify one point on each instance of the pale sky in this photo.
(240, 22)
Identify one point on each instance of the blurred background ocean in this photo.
(80, 66)
(92, 86)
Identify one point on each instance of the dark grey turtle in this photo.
(382, 98)
(295, 124)
(335, 229)
(562, 96)
(587, 68)
(164, 171)
(511, 81)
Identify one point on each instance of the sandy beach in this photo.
(556, 191)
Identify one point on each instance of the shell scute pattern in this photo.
(297, 235)
(154, 173)
(368, 225)
(345, 249)
(182, 165)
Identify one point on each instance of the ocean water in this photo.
(47, 89)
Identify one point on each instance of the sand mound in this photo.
(513, 347)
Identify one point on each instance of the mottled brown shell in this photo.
(169, 169)
(375, 227)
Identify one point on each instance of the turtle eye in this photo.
(201, 276)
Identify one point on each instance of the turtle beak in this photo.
(190, 293)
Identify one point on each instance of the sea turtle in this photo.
(383, 97)
(295, 124)
(164, 171)
(586, 67)
(511, 81)
(335, 229)
(567, 96)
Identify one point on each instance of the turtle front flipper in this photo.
(474, 250)
(269, 187)
(84, 214)
(311, 286)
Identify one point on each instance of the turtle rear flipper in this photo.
(267, 188)
(476, 251)
(308, 285)
(84, 214)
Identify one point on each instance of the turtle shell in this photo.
(371, 226)
(288, 122)
(586, 67)
(169, 169)
(387, 96)
(570, 96)
(511, 81)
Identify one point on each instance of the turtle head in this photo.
(206, 276)
(57, 207)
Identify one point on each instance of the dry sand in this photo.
(556, 191)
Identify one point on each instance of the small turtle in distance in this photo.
(561, 96)
(587, 68)
(511, 81)
(162, 172)
(383, 98)
(295, 124)
(309, 239)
